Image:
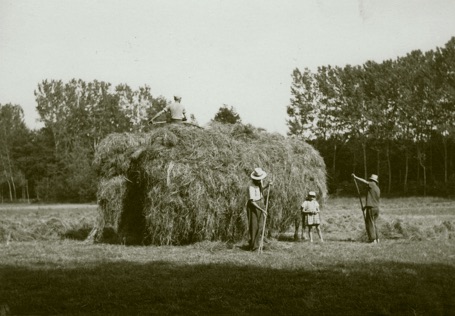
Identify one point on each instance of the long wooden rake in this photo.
(261, 245)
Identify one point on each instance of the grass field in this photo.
(46, 268)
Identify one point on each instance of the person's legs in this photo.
(254, 217)
(297, 226)
(304, 227)
(369, 223)
(257, 228)
(310, 233)
(374, 216)
(319, 233)
(249, 210)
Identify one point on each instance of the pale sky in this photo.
(212, 52)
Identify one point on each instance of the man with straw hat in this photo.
(256, 210)
(176, 110)
(371, 206)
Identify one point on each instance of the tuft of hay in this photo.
(18, 226)
(110, 199)
(178, 184)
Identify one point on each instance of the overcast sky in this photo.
(235, 52)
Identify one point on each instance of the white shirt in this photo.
(255, 193)
(177, 110)
(310, 206)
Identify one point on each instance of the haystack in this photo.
(179, 184)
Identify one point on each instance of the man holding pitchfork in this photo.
(371, 205)
(256, 210)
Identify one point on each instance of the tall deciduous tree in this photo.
(417, 93)
(303, 108)
(331, 115)
(137, 105)
(359, 120)
(444, 121)
(80, 114)
(380, 86)
(13, 134)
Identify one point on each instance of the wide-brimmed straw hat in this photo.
(374, 178)
(312, 193)
(258, 174)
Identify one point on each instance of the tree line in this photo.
(54, 163)
(395, 118)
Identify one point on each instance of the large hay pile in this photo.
(180, 184)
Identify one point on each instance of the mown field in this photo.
(46, 267)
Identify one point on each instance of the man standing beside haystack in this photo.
(176, 109)
(256, 210)
(371, 206)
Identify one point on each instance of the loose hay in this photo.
(179, 184)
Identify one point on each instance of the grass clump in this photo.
(35, 223)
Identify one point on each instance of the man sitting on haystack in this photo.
(176, 109)
(256, 210)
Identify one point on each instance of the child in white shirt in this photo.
(310, 215)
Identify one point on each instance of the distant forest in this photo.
(395, 119)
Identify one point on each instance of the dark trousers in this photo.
(299, 218)
(371, 215)
(255, 222)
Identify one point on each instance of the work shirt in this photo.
(254, 193)
(176, 109)
(373, 195)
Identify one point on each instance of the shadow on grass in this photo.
(290, 238)
(285, 237)
(107, 235)
(386, 288)
(77, 234)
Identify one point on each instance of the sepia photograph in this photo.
(227, 157)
